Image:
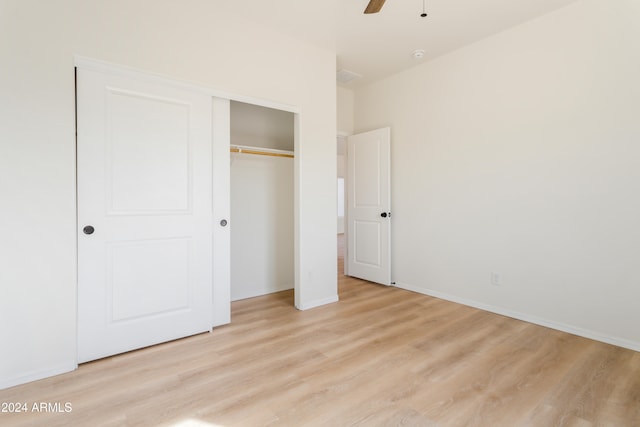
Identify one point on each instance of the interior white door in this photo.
(144, 212)
(368, 206)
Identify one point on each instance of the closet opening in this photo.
(262, 200)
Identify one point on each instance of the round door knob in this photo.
(88, 230)
(223, 223)
(383, 214)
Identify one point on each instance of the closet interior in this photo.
(262, 212)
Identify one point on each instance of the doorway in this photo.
(341, 149)
(262, 202)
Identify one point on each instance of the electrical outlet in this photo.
(496, 278)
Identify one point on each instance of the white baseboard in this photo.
(620, 342)
(38, 375)
(261, 292)
(318, 303)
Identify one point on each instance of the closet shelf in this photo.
(261, 151)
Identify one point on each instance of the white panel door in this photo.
(144, 213)
(368, 206)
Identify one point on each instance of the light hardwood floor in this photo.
(381, 356)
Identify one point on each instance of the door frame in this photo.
(221, 176)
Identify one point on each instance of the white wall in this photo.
(192, 40)
(262, 225)
(345, 99)
(519, 155)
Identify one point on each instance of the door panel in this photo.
(368, 206)
(138, 125)
(165, 263)
(366, 173)
(366, 237)
(145, 185)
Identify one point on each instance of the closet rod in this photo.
(260, 151)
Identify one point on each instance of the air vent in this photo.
(345, 76)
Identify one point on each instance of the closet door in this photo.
(145, 232)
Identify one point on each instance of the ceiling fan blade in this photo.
(374, 6)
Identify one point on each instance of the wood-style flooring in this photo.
(380, 357)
